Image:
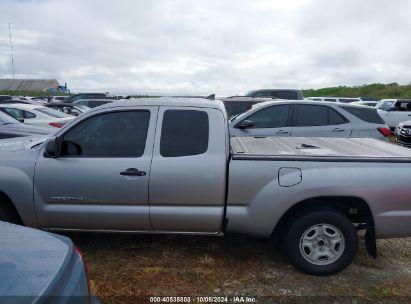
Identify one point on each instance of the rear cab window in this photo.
(368, 115)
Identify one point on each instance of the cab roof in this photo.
(166, 101)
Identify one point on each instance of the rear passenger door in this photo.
(188, 171)
(319, 121)
(269, 121)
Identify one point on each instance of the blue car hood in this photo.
(29, 260)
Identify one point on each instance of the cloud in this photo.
(212, 46)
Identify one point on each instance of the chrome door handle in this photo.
(338, 130)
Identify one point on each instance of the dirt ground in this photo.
(131, 268)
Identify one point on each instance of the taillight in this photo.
(56, 124)
(86, 271)
(385, 131)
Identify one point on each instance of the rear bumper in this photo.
(404, 140)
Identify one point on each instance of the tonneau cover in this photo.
(316, 147)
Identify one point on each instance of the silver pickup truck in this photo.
(169, 166)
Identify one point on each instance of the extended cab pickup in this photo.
(168, 166)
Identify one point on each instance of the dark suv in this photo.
(277, 93)
(5, 97)
(86, 96)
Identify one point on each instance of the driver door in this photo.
(100, 181)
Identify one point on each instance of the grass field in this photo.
(130, 268)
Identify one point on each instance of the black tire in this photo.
(8, 214)
(308, 220)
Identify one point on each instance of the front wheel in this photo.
(321, 242)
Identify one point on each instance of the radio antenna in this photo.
(11, 51)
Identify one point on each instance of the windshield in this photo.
(6, 119)
(385, 105)
(51, 112)
(238, 116)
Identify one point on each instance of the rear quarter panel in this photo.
(256, 201)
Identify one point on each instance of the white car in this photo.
(36, 115)
(369, 103)
(394, 111)
(335, 99)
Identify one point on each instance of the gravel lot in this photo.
(130, 268)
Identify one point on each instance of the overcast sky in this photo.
(207, 46)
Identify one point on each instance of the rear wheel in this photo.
(320, 242)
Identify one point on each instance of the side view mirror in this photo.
(53, 147)
(244, 124)
(20, 120)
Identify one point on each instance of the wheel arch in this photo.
(355, 208)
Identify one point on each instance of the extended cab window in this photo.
(270, 117)
(118, 134)
(184, 133)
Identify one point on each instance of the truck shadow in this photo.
(238, 247)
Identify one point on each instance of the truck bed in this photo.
(317, 149)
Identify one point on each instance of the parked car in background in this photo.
(394, 111)
(41, 267)
(59, 98)
(10, 127)
(22, 100)
(5, 97)
(305, 118)
(36, 115)
(68, 108)
(76, 97)
(92, 103)
(403, 133)
(237, 105)
(277, 93)
(335, 99)
(369, 98)
(365, 103)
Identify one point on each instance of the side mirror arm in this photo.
(53, 147)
